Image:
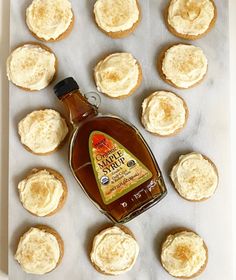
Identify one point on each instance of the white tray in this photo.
(207, 132)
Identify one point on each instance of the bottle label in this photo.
(117, 170)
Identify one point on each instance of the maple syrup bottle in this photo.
(109, 158)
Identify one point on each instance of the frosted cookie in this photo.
(190, 19)
(31, 66)
(40, 250)
(117, 18)
(114, 250)
(118, 75)
(43, 131)
(164, 113)
(183, 66)
(50, 20)
(43, 192)
(184, 254)
(195, 177)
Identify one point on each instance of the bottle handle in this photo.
(93, 98)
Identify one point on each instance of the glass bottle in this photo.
(109, 158)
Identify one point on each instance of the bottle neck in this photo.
(78, 107)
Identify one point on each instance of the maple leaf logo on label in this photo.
(117, 170)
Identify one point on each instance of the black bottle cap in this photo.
(65, 86)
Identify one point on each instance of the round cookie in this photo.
(184, 254)
(195, 177)
(109, 254)
(182, 66)
(42, 132)
(164, 113)
(118, 75)
(190, 20)
(117, 18)
(40, 250)
(43, 192)
(50, 20)
(31, 66)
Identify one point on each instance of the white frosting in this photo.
(40, 193)
(116, 15)
(31, 67)
(184, 65)
(42, 131)
(114, 251)
(163, 113)
(38, 251)
(191, 17)
(117, 75)
(183, 254)
(194, 177)
(49, 19)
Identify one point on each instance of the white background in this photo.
(4, 50)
